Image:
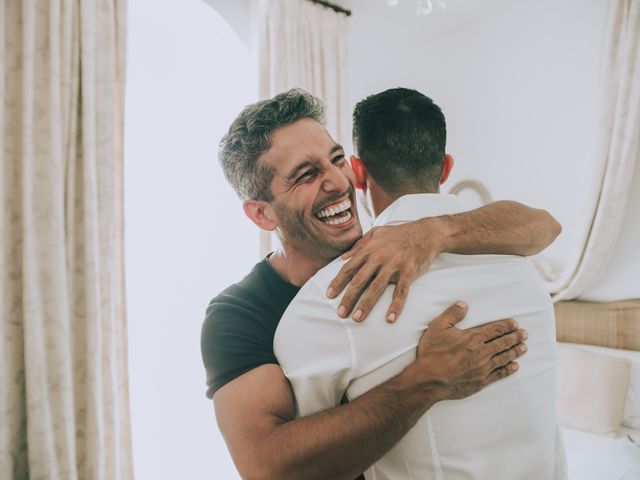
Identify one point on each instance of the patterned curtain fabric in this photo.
(64, 408)
(620, 153)
(303, 44)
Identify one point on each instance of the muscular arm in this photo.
(255, 412)
(339, 443)
(503, 227)
(398, 254)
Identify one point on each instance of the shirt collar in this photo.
(419, 205)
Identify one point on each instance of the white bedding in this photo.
(596, 457)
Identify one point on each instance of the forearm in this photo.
(255, 411)
(342, 442)
(503, 227)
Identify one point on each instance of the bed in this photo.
(608, 454)
(596, 457)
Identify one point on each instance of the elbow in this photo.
(549, 231)
(554, 227)
(557, 228)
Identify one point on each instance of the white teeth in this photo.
(329, 212)
(338, 221)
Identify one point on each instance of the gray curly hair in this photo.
(249, 137)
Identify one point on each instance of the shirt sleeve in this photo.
(233, 343)
(313, 347)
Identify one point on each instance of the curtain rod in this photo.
(332, 6)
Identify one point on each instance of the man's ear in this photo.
(358, 169)
(261, 213)
(446, 168)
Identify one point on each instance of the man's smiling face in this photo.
(313, 190)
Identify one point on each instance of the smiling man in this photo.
(294, 180)
(316, 221)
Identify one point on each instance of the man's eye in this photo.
(308, 175)
(338, 160)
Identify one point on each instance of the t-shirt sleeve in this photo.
(233, 343)
(313, 348)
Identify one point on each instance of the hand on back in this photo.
(462, 362)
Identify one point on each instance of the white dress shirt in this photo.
(507, 431)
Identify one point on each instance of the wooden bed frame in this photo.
(613, 324)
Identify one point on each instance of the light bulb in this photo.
(424, 7)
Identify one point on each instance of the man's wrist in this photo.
(442, 230)
(427, 388)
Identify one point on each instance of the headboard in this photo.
(474, 185)
(611, 324)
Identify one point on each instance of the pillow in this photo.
(592, 390)
(631, 416)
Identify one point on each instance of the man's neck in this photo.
(380, 200)
(295, 267)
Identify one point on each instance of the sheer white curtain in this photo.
(303, 44)
(620, 152)
(64, 412)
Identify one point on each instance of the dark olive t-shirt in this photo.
(237, 335)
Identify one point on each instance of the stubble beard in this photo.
(298, 229)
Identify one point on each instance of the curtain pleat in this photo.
(619, 153)
(64, 404)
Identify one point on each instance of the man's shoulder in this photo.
(232, 298)
(261, 292)
(311, 305)
(244, 310)
(492, 270)
(310, 332)
(237, 332)
(312, 298)
(323, 277)
(459, 263)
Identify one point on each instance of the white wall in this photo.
(238, 15)
(519, 83)
(186, 235)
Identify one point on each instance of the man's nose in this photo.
(335, 180)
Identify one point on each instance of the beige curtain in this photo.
(303, 44)
(620, 153)
(64, 409)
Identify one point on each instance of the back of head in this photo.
(400, 135)
(249, 136)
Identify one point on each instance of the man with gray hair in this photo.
(294, 180)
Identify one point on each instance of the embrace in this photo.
(424, 349)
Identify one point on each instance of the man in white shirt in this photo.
(508, 430)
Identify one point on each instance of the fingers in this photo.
(506, 342)
(372, 294)
(451, 316)
(501, 372)
(400, 294)
(505, 358)
(358, 284)
(346, 273)
(493, 330)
